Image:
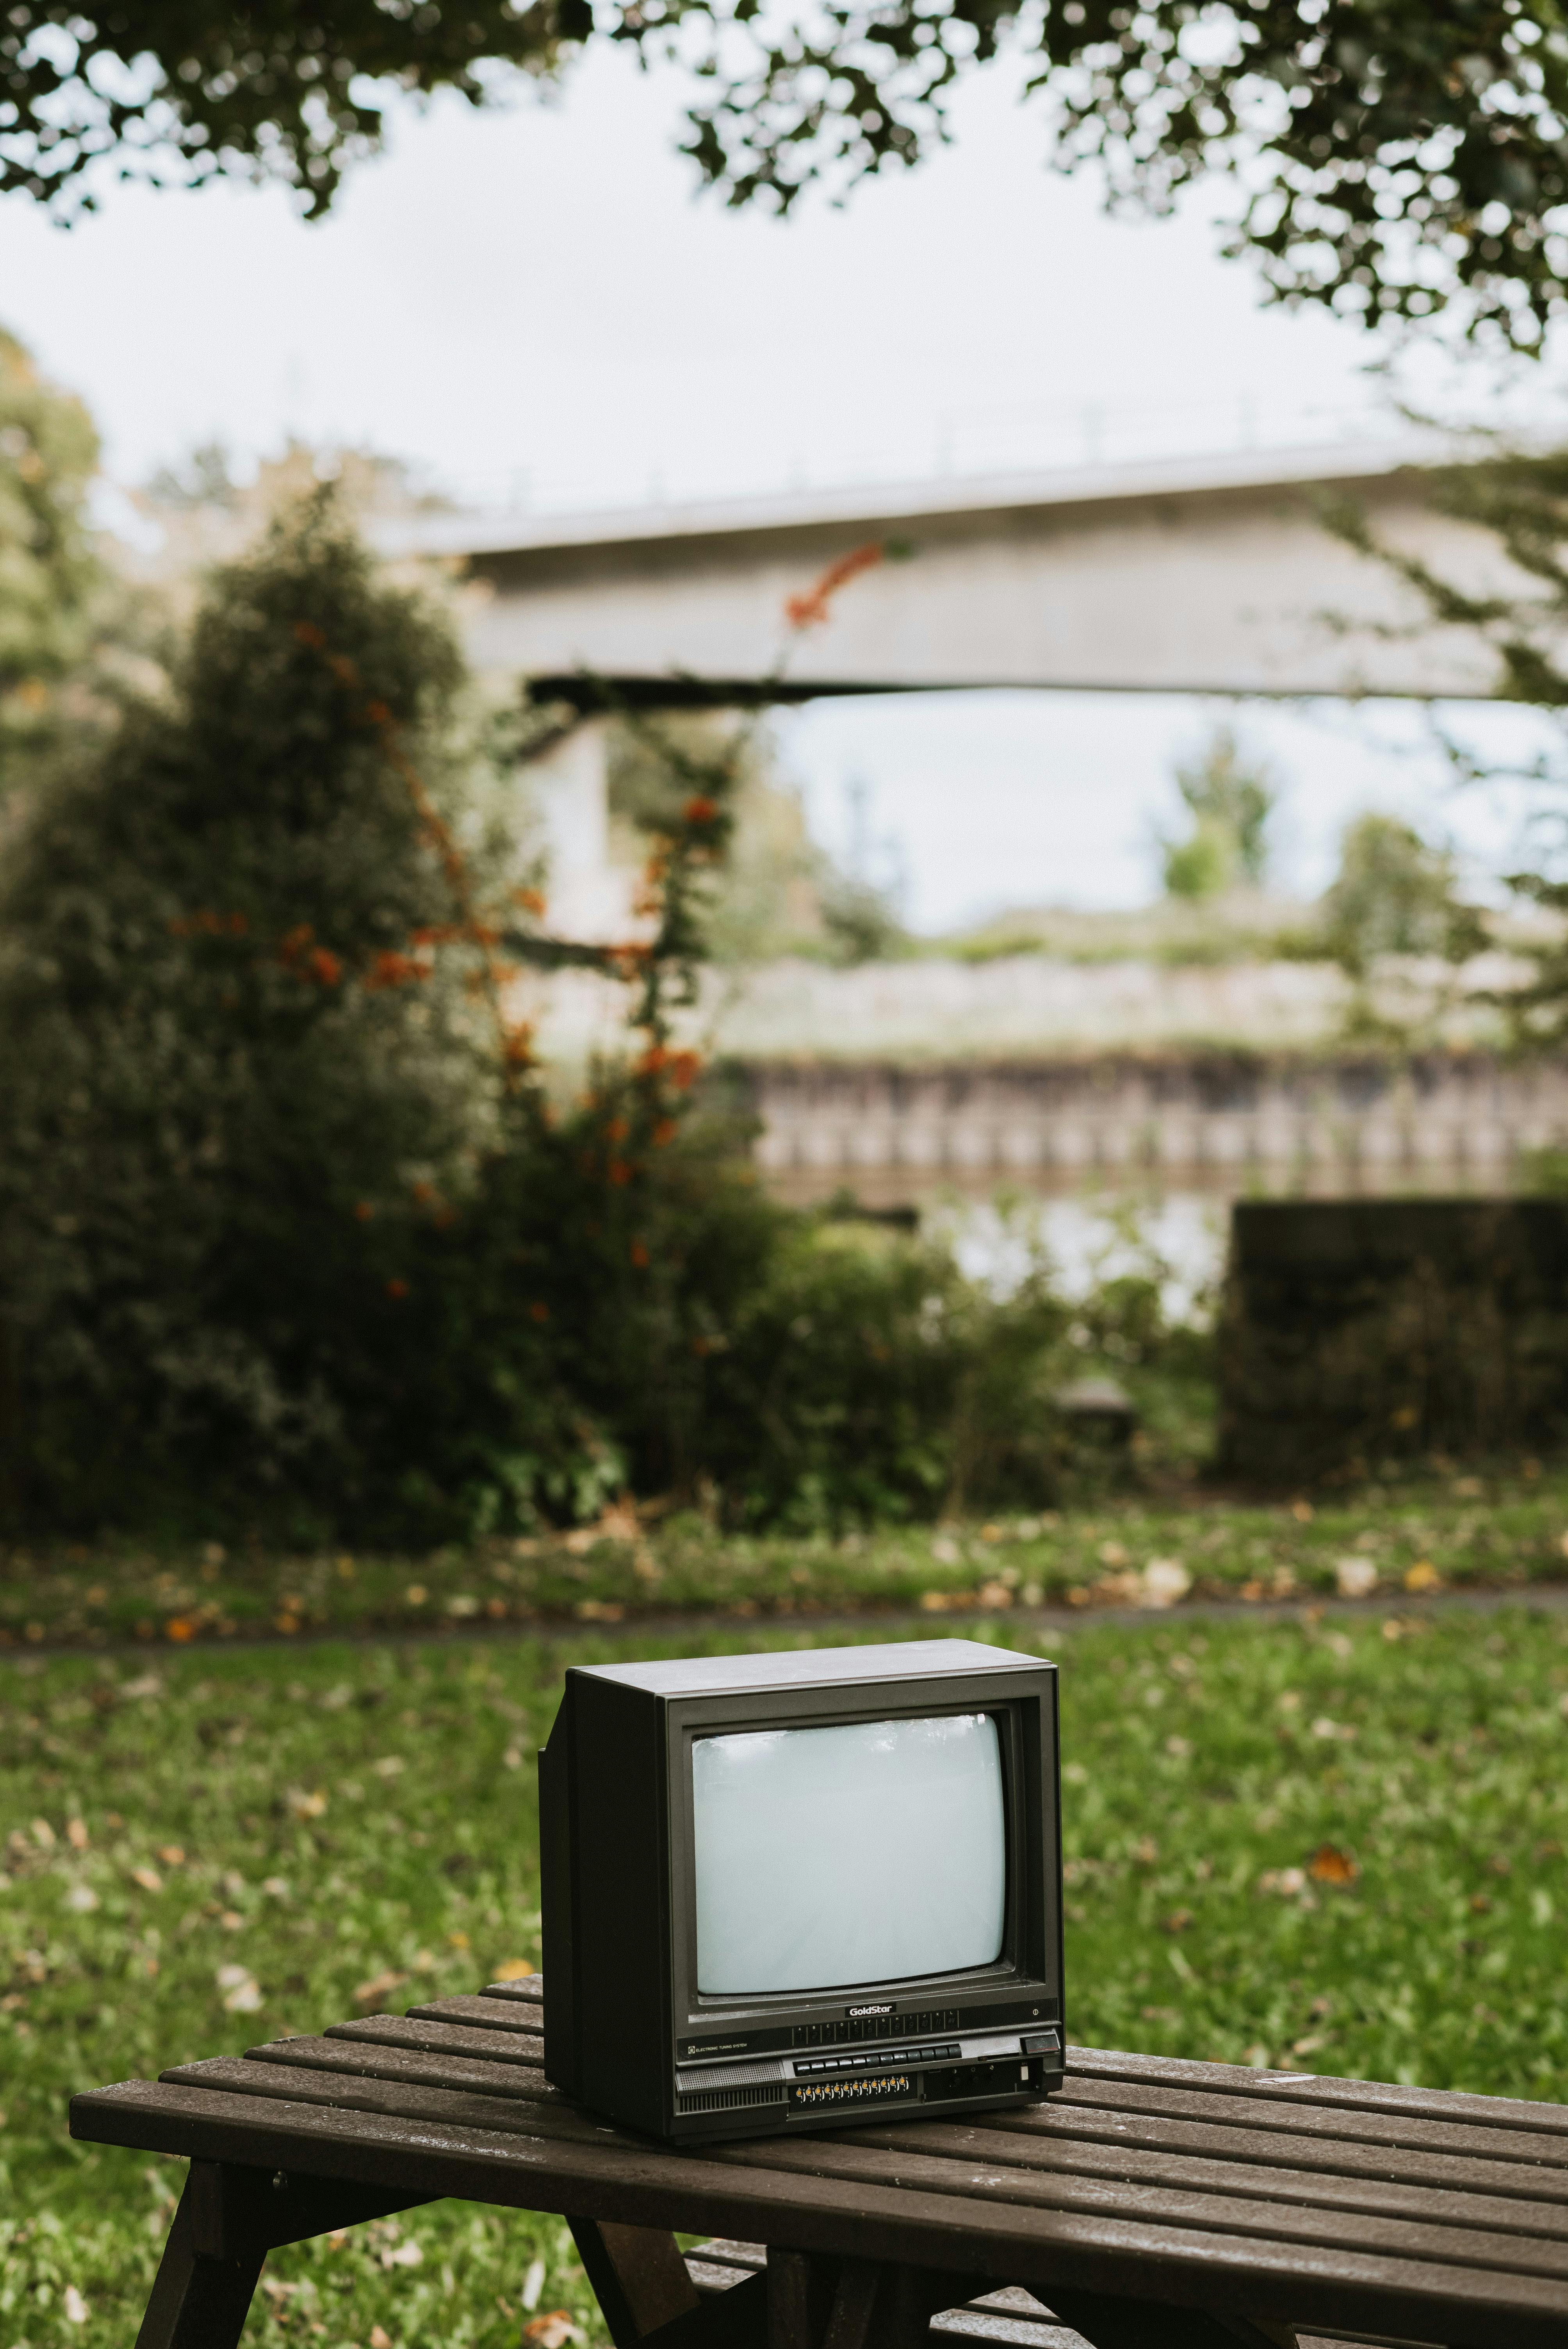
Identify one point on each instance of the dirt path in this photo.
(1540, 1598)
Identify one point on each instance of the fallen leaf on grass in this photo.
(242, 1992)
(305, 1806)
(1423, 1575)
(377, 1987)
(73, 2307)
(77, 1834)
(1329, 1865)
(1178, 1920)
(148, 1878)
(379, 2337)
(1287, 1881)
(1356, 1578)
(552, 2331)
(173, 1855)
(514, 1969)
(1165, 1580)
(403, 2255)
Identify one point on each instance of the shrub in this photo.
(217, 1123)
(290, 1228)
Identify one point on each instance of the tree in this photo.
(227, 1117)
(1519, 499)
(1396, 895)
(1231, 802)
(50, 578)
(1391, 160)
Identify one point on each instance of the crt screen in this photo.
(858, 1854)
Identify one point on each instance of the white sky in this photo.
(539, 295)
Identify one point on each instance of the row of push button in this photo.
(876, 2026)
(874, 2062)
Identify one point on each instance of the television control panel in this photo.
(739, 2096)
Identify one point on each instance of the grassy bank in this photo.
(1444, 1528)
(1302, 1843)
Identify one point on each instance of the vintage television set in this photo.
(784, 1891)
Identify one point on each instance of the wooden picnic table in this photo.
(1150, 2204)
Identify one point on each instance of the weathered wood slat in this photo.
(836, 2159)
(1458, 2234)
(1372, 2194)
(1305, 2149)
(1294, 2088)
(1027, 2171)
(379, 2062)
(491, 2014)
(1048, 2138)
(528, 1991)
(657, 2186)
(361, 2092)
(1368, 2128)
(440, 2037)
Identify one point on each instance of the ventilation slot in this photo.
(724, 2100)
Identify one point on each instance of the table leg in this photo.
(638, 2276)
(198, 2303)
(229, 2219)
(817, 2302)
(800, 2290)
(1115, 2323)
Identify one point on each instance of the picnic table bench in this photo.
(1151, 2205)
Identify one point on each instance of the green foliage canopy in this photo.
(1395, 893)
(1231, 802)
(1519, 499)
(1391, 159)
(49, 576)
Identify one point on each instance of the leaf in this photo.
(377, 1987)
(1165, 1580)
(148, 1878)
(514, 1969)
(242, 1992)
(1329, 1865)
(73, 2307)
(553, 2331)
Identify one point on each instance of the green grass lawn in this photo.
(1465, 1528)
(205, 1849)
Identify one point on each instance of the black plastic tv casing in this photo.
(628, 2032)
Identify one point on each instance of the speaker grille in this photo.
(722, 2100)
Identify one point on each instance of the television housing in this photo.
(786, 1891)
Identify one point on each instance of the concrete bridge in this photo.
(1193, 576)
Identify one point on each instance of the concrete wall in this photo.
(1227, 1122)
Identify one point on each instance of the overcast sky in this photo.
(537, 299)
